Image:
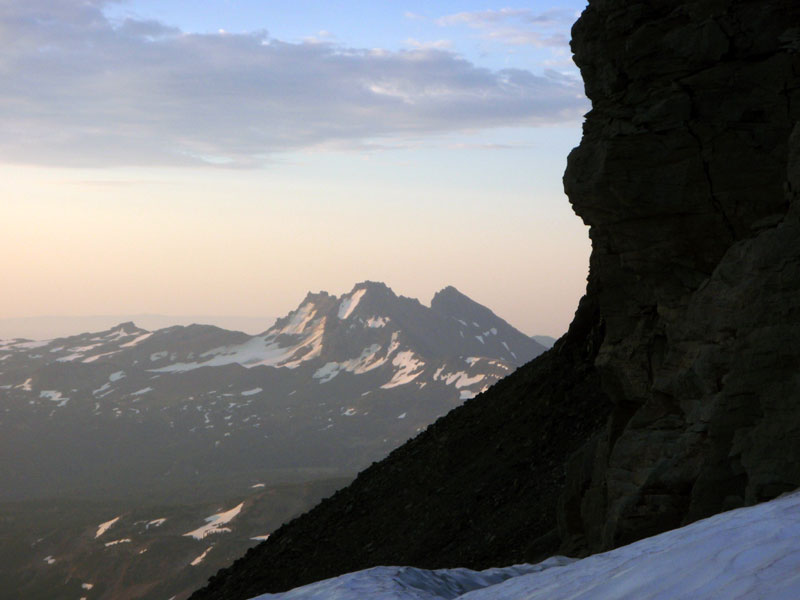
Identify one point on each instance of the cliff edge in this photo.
(688, 174)
(676, 392)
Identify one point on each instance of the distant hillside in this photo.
(198, 414)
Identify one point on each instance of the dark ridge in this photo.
(478, 488)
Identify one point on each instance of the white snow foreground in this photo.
(408, 583)
(748, 553)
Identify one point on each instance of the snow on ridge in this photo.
(300, 318)
(366, 361)
(99, 356)
(103, 527)
(136, 340)
(214, 523)
(200, 558)
(458, 378)
(409, 368)
(749, 553)
(349, 303)
(262, 350)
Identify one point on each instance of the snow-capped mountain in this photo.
(184, 413)
(750, 553)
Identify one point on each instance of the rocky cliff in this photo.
(676, 392)
(688, 175)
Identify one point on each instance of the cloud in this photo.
(516, 26)
(437, 45)
(79, 90)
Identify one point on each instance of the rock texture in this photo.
(676, 392)
(688, 177)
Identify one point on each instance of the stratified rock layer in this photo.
(676, 392)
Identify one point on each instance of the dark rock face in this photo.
(676, 392)
(687, 175)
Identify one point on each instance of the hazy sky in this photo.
(227, 156)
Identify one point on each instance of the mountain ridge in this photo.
(673, 396)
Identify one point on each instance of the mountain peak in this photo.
(371, 285)
(451, 302)
(449, 293)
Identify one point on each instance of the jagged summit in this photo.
(451, 302)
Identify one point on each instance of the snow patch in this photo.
(252, 392)
(141, 391)
(115, 542)
(116, 376)
(103, 527)
(155, 523)
(459, 378)
(299, 319)
(367, 361)
(409, 368)
(49, 560)
(99, 356)
(214, 523)
(260, 538)
(136, 340)
(408, 583)
(348, 304)
(260, 350)
(200, 558)
(54, 396)
(377, 322)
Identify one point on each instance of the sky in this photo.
(226, 157)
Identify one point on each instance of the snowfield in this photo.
(750, 553)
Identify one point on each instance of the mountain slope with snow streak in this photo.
(749, 553)
(332, 386)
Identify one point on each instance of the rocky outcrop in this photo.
(687, 175)
(676, 392)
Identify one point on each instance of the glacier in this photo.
(748, 553)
